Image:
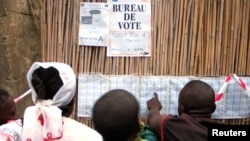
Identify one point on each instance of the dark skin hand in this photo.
(154, 116)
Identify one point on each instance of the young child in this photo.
(195, 105)
(115, 116)
(7, 107)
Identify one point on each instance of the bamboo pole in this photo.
(219, 39)
(183, 41)
(226, 33)
(160, 42)
(232, 39)
(198, 64)
(194, 38)
(71, 41)
(175, 28)
(236, 49)
(165, 39)
(43, 30)
(247, 38)
(179, 37)
(213, 36)
(171, 36)
(208, 41)
(76, 47)
(50, 51)
(188, 39)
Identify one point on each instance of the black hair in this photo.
(46, 82)
(3, 96)
(115, 115)
(8, 113)
(197, 97)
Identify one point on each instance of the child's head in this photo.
(196, 97)
(115, 115)
(7, 107)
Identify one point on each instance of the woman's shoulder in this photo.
(73, 129)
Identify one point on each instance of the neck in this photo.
(199, 114)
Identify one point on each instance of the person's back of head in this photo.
(46, 83)
(7, 107)
(115, 116)
(53, 80)
(197, 98)
(53, 86)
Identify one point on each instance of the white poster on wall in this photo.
(234, 103)
(130, 28)
(94, 24)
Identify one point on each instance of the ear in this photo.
(181, 109)
(214, 107)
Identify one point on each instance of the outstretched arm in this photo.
(154, 116)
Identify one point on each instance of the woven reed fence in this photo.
(189, 37)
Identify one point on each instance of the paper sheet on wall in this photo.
(235, 103)
(130, 28)
(129, 83)
(90, 88)
(94, 24)
(148, 86)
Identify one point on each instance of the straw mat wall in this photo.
(189, 37)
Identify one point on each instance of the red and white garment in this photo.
(43, 121)
(11, 131)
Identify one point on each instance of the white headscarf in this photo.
(44, 120)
